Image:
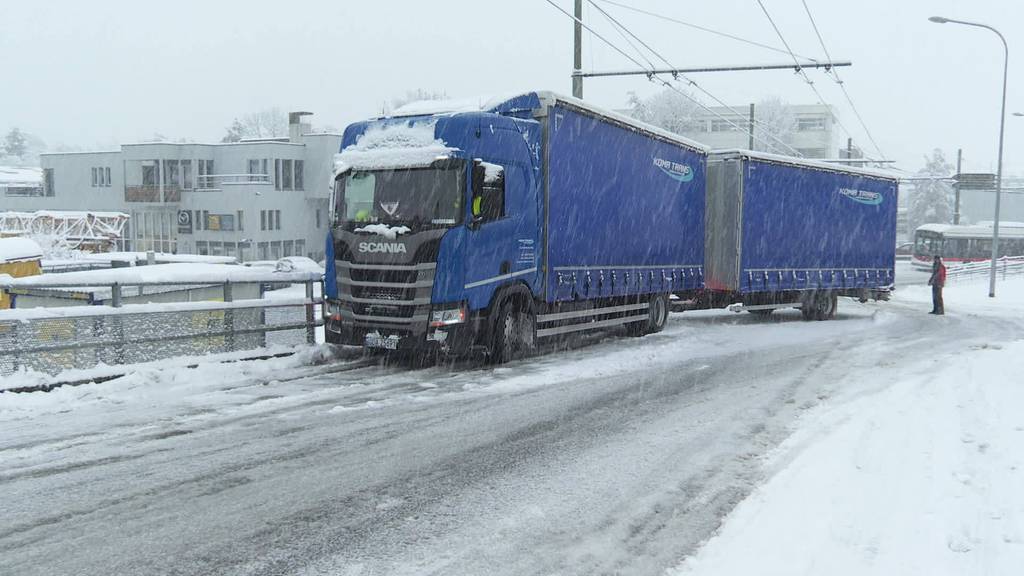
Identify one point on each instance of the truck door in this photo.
(502, 245)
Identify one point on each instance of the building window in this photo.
(286, 174)
(726, 125)
(277, 219)
(205, 179)
(202, 248)
(106, 171)
(288, 247)
(262, 252)
(48, 181)
(300, 247)
(299, 179)
(171, 173)
(254, 170)
(151, 173)
(186, 174)
(263, 219)
(240, 220)
(317, 217)
(810, 124)
(94, 181)
(277, 174)
(275, 250)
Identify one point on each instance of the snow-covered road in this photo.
(619, 456)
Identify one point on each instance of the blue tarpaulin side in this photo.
(806, 228)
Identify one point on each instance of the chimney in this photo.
(296, 127)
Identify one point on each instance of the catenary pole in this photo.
(577, 51)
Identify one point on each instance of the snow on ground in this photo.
(922, 476)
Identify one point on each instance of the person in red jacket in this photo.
(937, 281)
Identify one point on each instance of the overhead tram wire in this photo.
(704, 29)
(800, 69)
(652, 75)
(623, 33)
(842, 85)
(694, 83)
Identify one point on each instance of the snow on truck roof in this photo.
(804, 162)
(538, 99)
(16, 249)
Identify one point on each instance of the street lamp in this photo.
(1002, 122)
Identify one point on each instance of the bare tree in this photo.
(267, 123)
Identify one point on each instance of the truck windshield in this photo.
(415, 197)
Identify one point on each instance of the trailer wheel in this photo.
(515, 333)
(657, 317)
(820, 306)
(657, 313)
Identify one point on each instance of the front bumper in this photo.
(453, 339)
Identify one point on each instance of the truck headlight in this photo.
(332, 309)
(447, 317)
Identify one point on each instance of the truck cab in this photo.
(433, 215)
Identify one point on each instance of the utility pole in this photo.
(577, 51)
(956, 187)
(750, 142)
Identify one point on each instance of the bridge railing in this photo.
(52, 339)
(1005, 266)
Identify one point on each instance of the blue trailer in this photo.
(791, 232)
(529, 217)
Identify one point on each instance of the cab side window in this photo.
(488, 192)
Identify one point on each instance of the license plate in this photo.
(377, 341)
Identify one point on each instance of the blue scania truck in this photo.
(529, 217)
(539, 215)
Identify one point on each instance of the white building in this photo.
(254, 199)
(808, 128)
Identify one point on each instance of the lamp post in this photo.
(1002, 122)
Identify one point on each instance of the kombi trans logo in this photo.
(862, 196)
(675, 170)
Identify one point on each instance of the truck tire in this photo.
(820, 306)
(657, 313)
(515, 333)
(657, 317)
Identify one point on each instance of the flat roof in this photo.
(805, 162)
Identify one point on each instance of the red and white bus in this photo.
(959, 243)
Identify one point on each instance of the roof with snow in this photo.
(19, 250)
(24, 176)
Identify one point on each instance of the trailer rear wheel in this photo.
(820, 306)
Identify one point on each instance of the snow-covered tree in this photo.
(932, 200)
(775, 125)
(14, 143)
(413, 96)
(667, 109)
(267, 123)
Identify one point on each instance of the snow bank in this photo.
(161, 257)
(18, 249)
(915, 470)
(400, 145)
(923, 478)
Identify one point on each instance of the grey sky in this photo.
(103, 72)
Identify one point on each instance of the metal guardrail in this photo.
(54, 339)
(1005, 266)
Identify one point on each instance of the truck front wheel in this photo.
(515, 333)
